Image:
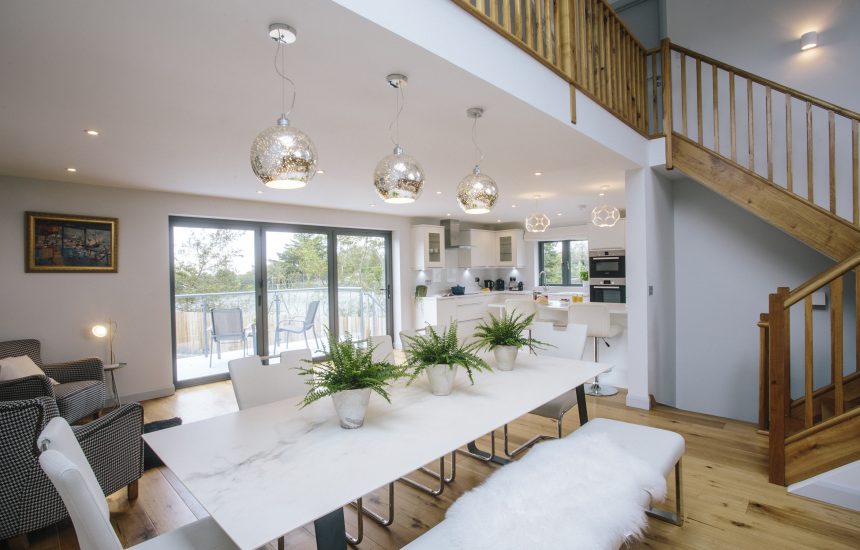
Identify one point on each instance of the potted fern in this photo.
(505, 336)
(439, 356)
(349, 375)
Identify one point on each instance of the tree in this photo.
(204, 263)
(301, 264)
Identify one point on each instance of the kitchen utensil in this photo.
(488, 283)
(500, 284)
(458, 290)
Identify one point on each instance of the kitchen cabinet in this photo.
(428, 243)
(468, 311)
(602, 238)
(510, 250)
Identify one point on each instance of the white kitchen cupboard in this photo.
(428, 243)
(480, 252)
(468, 311)
(602, 238)
(509, 249)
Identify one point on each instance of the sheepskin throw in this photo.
(581, 492)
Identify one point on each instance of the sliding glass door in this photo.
(240, 288)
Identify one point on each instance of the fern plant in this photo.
(445, 349)
(349, 366)
(508, 330)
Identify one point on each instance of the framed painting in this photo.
(63, 243)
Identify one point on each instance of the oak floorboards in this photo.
(728, 500)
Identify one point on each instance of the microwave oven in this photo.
(606, 264)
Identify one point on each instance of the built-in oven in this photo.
(612, 291)
(606, 264)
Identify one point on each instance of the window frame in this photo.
(566, 271)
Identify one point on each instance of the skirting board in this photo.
(154, 394)
(639, 401)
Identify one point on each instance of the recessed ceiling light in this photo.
(602, 194)
(513, 206)
(259, 192)
(70, 169)
(498, 221)
(438, 192)
(91, 132)
(320, 171)
(372, 205)
(559, 214)
(538, 173)
(448, 214)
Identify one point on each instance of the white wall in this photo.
(727, 262)
(59, 308)
(763, 37)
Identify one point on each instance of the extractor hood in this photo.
(453, 237)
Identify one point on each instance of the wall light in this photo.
(808, 41)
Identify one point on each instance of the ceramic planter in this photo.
(505, 356)
(351, 406)
(441, 378)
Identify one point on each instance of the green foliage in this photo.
(303, 263)
(552, 256)
(433, 349)
(507, 330)
(205, 263)
(350, 366)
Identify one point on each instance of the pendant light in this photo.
(282, 156)
(477, 192)
(537, 222)
(398, 178)
(605, 215)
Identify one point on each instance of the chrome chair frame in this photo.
(362, 511)
(440, 476)
(473, 451)
(676, 517)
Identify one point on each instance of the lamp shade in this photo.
(477, 193)
(99, 331)
(283, 157)
(605, 216)
(398, 178)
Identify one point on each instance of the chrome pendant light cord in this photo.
(394, 126)
(479, 154)
(284, 79)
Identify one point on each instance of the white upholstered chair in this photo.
(596, 317)
(64, 463)
(257, 384)
(382, 348)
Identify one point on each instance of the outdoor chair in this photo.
(227, 326)
(298, 325)
(81, 389)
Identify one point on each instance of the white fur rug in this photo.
(581, 492)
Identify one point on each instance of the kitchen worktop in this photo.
(489, 294)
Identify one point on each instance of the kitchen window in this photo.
(564, 263)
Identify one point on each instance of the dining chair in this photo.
(382, 348)
(518, 306)
(574, 346)
(63, 461)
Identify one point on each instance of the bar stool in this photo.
(596, 318)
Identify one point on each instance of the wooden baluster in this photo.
(505, 17)
(855, 161)
(666, 55)
(732, 118)
(546, 31)
(655, 129)
(537, 15)
(808, 385)
(565, 37)
(619, 67)
(625, 76)
(479, 5)
(581, 50)
(750, 126)
(769, 118)
(716, 94)
(789, 138)
(528, 38)
(684, 94)
(552, 38)
(640, 89)
(857, 318)
(494, 11)
(518, 27)
(778, 352)
(589, 59)
(809, 181)
(831, 131)
(701, 130)
(836, 350)
(601, 52)
(764, 378)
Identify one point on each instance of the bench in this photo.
(588, 490)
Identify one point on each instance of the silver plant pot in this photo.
(351, 406)
(505, 356)
(441, 378)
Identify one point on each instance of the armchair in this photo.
(28, 500)
(81, 388)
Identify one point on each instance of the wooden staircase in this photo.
(787, 157)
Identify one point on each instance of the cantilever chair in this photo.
(299, 326)
(65, 464)
(227, 326)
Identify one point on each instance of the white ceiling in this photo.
(180, 89)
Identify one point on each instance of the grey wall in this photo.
(727, 262)
(643, 18)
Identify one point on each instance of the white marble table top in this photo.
(267, 470)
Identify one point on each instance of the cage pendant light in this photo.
(282, 156)
(537, 222)
(477, 192)
(605, 215)
(398, 177)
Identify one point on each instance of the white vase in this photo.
(351, 406)
(505, 356)
(441, 378)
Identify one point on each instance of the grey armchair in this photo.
(81, 388)
(112, 444)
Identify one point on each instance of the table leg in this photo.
(330, 531)
(581, 405)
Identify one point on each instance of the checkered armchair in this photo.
(81, 389)
(28, 501)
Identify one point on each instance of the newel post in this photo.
(778, 353)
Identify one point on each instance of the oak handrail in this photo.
(819, 281)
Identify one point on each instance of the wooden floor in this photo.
(728, 501)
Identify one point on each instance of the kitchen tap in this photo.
(542, 273)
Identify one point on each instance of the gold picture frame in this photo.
(66, 243)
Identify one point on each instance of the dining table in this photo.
(267, 470)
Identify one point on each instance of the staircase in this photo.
(789, 158)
